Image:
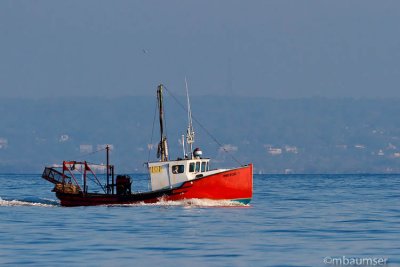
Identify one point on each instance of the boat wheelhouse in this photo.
(173, 173)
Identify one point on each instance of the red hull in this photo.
(235, 184)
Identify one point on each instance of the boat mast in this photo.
(190, 131)
(162, 152)
(108, 168)
(183, 146)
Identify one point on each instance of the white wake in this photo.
(14, 202)
(191, 203)
(184, 203)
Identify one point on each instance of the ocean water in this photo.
(293, 220)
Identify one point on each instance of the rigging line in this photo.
(152, 133)
(151, 144)
(204, 128)
(91, 178)
(90, 153)
(165, 124)
(96, 164)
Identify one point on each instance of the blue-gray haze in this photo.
(279, 49)
(83, 65)
(314, 135)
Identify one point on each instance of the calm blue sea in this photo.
(293, 220)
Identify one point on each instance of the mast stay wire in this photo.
(165, 125)
(152, 133)
(203, 127)
(89, 154)
(90, 177)
(150, 145)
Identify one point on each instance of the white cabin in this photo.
(170, 174)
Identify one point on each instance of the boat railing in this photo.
(53, 175)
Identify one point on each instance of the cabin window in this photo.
(197, 166)
(203, 166)
(178, 169)
(191, 167)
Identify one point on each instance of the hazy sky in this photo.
(262, 48)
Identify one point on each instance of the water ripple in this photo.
(293, 220)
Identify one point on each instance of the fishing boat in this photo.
(189, 177)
